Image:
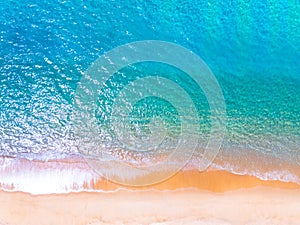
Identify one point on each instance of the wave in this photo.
(74, 174)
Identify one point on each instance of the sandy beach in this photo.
(259, 205)
(189, 197)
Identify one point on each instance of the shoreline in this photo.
(74, 175)
(189, 197)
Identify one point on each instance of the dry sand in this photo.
(258, 205)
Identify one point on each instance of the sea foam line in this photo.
(74, 175)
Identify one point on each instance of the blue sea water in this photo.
(252, 47)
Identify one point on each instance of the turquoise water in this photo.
(252, 48)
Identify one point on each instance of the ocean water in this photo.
(252, 48)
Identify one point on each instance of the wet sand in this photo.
(74, 174)
(189, 197)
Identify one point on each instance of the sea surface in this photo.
(252, 48)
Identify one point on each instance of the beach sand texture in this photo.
(189, 197)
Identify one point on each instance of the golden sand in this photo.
(214, 181)
(189, 197)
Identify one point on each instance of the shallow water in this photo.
(252, 49)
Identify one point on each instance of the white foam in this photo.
(27, 177)
(280, 175)
(58, 177)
